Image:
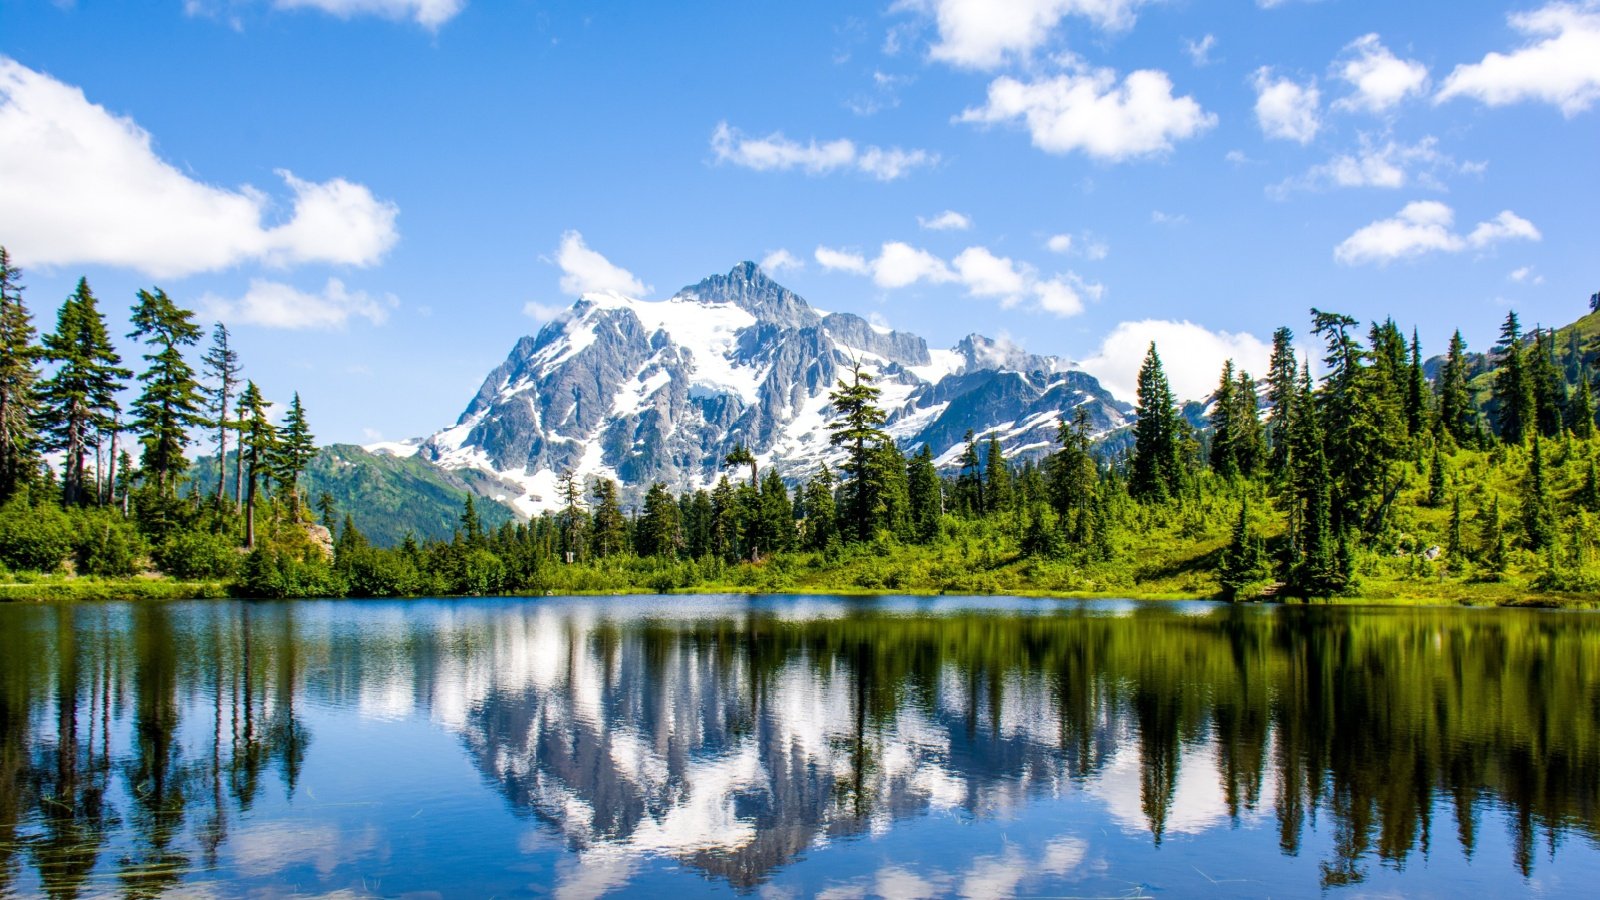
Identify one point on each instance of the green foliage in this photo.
(19, 377)
(107, 545)
(198, 556)
(35, 536)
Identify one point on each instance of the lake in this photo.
(796, 747)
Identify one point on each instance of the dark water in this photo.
(796, 747)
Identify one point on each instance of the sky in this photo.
(380, 196)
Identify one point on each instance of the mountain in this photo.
(387, 495)
(645, 391)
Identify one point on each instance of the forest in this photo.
(1470, 478)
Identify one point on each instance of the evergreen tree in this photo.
(1417, 393)
(821, 527)
(1493, 539)
(776, 515)
(571, 521)
(724, 521)
(1248, 434)
(221, 365)
(1314, 568)
(997, 478)
(1073, 479)
(969, 480)
(171, 401)
(658, 532)
(1156, 469)
(1538, 519)
(1454, 546)
(608, 533)
(1547, 384)
(1580, 415)
(892, 508)
(741, 456)
(1457, 417)
(1436, 478)
(858, 428)
(257, 449)
(1515, 415)
(79, 399)
(1588, 494)
(19, 378)
(697, 527)
(293, 453)
(327, 509)
(1243, 559)
(1224, 461)
(926, 495)
(471, 532)
(1282, 370)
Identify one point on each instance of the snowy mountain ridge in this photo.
(643, 391)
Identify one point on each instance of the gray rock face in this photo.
(645, 391)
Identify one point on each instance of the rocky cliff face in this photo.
(644, 391)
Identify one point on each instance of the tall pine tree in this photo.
(222, 367)
(295, 449)
(19, 377)
(171, 401)
(1156, 469)
(79, 399)
(858, 428)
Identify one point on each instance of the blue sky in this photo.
(379, 196)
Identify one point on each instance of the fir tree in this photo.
(19, 377)
(858, 428)
(80, 397)
(1493, 539)
(926, 495)
(740, 455)
(1282, 370)
(1156, 470)
(1417, 393)
(969, 480)
(171, 401)
(820, 525)
(609, 532)
(1454, 547)
(1436, 478)
(1580, 415)
(1072, 479)
(1314, 567)
(471, 525)
(1248, 435)
(327, 509)
(1538, 520)
(1547, 384)
(996, 477)
(571, 520)
(293, 453)
(257, 449)
(1456, 416)
(724, 522)
(1223, 458)
(1243, 559)
(221, 365)
(658, 530)
(892, 507)
(1515, 414)
(776, 514)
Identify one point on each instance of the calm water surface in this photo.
(794, 747)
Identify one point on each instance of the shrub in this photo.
(106, 544)
(194, 556)
(36, 538)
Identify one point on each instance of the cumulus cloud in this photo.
(981, 34)
(1559, 63)
(979, 271)
(584, 270)
(1087, 109)
(1191, 354)
(949, 220)
(1284, 109)
(776, 153)
(427, 13)
(1381, 79)
(1427, 226)
(272, 304)
(1525, 275)
(1389, 164)
(92, 190)
(1085, 245)
(781, 260)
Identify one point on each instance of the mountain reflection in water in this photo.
(143, 747)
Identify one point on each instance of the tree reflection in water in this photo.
(735, 737)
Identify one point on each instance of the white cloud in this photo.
(1525, 275)
(832, 260)
(979, 271)
(781, 260)
(92, 190)
(1191, 354)
(901, 265)
(1381, 79)
(1507, 226)
(1164, 218)
(949, 220)
(1200, 51)
(427, 13)
(543, 312)
(982, 34)
(1558, 64)
(1284, 109)
(1426, 226)
(1387, 165)
(1059, 243)
(1087, 109)
(272, 304)
(584, 270)
(776, 153)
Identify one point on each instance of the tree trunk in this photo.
(250, 513)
